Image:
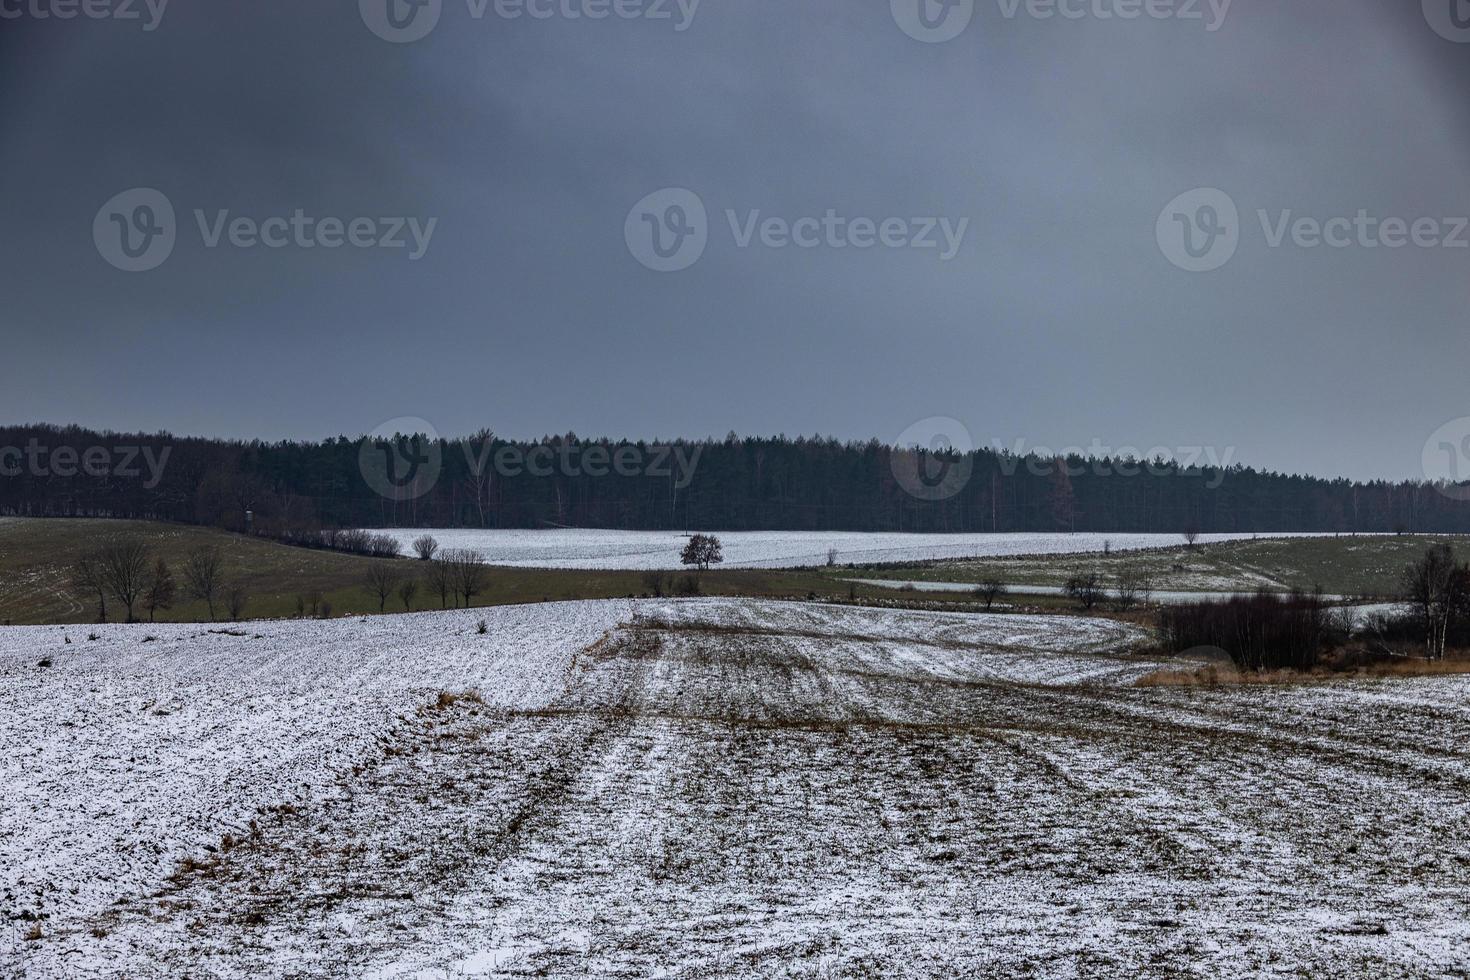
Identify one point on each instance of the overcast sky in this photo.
(1056, 319)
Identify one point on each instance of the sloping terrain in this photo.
(728, 788)
(1350, 565)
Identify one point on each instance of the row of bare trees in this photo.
(1129, 588)
(1437, 590)
(456, 575)
(127, 570)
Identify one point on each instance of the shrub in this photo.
(425, 547)
(1086, 588)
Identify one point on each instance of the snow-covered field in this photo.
(715, 788)
(641, 550)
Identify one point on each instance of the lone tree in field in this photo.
(425, 547)
(440, 580)
(990, 590)
(125, 570)
(86, 576)
(161, 590)
(468, 573)
(1191, 536)
(702, 551)
(381, 581)
(204, 576)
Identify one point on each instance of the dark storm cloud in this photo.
(1058, 322)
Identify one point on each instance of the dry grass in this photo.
(448, 699)
(1347, 664)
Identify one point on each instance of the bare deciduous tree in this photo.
(1191, 536)
(381, 580)
(1086, 588)
(86, 576)
(125, 569)
(236, 599)
(440, 579)
(161, 590)
(1435, 586)
(425, 547)
(990, 590)
(406, 593)
(467, 572)
(656, 583)
(1126, 588)
(204, 575)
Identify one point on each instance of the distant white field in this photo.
(640, 550)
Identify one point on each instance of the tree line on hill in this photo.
(295, 490)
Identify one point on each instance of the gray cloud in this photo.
(1059, 322)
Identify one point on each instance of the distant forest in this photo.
(293, 490)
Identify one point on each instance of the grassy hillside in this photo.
(35, 555)
(1361, 565)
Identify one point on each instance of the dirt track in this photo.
(766, 790)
